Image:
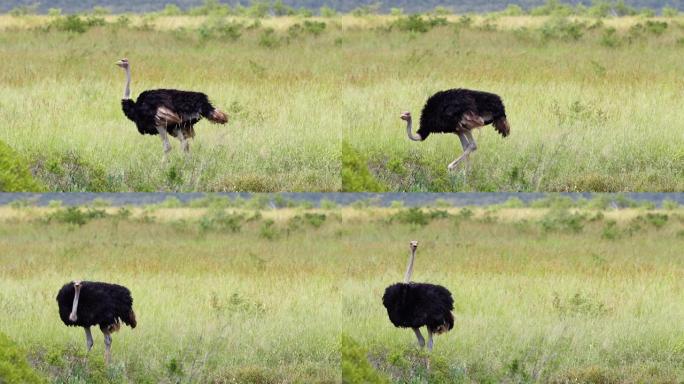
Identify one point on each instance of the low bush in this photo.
(14, 173)
(14, 369)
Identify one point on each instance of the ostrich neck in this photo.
(409, 131)
(409, 269)
(127, 90)
(74, 306)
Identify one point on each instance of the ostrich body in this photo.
(414, 305)
(87, 303)
(166, 112)
(459, 111)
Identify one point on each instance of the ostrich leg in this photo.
(430, 342)
(419, 336)
(108, 347)
(165, 140)
(89, 338)
(466, 150)
(184, 141)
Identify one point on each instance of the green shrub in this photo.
(610, 230)
(562, 220)
(356, 176)
(76, 215)
(268, 230)
(656, 27)
(561, 28)
(670, 12)
(315, 219)
(314, 27)
(355, 366)
(220, 28)
(14, 173)
(76, 24)
(216, 219)
(327, 12)
(416, 23)
(269, 39)
(609, 38)
(14, 369)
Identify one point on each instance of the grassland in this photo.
(237, 295)
(594, 104)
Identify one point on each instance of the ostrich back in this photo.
(443, 111)
(190, 106)
(98, 304)
(414, 305)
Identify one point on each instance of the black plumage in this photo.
(189, 106)
(89, 303)
(167, 111)
(102, 304)
(459, 111)
(415, 305)
(445, 110)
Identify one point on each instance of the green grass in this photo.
(259, 298)
(593, 104)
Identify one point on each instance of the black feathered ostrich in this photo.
(88, 303)
(459, 111)
(166, 112)
(414, 305)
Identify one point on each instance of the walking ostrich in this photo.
(166, 112)
(87, 303)
(459, 111)
(414, 305)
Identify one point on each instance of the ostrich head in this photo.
(78, 284)
(406, 116)
(123, 63)
(413, 245)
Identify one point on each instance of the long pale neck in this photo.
(409, 269)
(127, 90)
(409, 131)
(74, 306)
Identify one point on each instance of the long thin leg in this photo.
(89, 338)
(184, 141)
(108, 347)
(471, 141)
(430, 342)
(466, 150)
(165, 140)
(421, 340)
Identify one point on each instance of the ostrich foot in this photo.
(455, 164)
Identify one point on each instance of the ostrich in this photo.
(88, 303)
(459, 111)
(413, 305)
(167, 111)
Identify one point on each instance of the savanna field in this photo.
(593, 104)
(246, 294)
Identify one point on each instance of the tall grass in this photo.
(593, 105)
(267, 300)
